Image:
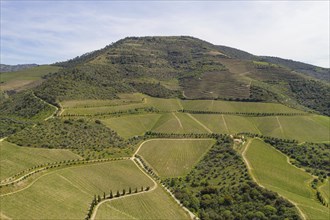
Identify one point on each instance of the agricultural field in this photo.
(272, 170)
(229, 106)
(164, 104)
(174, 158)
(178, 123)
(312, 128)
(156, 204)
(287, 127)
(132, 125)
(14, 159)
(21, 78)
(67, 193)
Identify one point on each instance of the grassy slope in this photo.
(325, 189)
(130, 126)
(226, 106)
(15, 159)
(173, 158)
(312, 128)
(151, 205)
(177, 123)
(66, 193)
(13, 80)
(272, 170)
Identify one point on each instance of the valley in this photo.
(144, 129)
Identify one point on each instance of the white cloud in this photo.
(61, 30)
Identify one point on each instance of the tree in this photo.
(110, 196)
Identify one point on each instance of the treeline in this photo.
(99, 198)
(252, 114)
(151, 134)
(219, 187)
(154, 90)
(117, 113)
(24, 174)
(69, 134)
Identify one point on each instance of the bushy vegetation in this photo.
(10, 126)
(155, 90)
(312, 94)
(24, 106)
(314, 157)
(79, 135)
(220, 188)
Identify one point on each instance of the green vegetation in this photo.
(325, 190)
(173, 158)
(132, 125)
(219, 187)
(177, 123)
(313, 94)
(152, 205)
(15, 159)
(272, 170)
(311, 156)
(20, 111)
(66, 193)
(234, 107)
(26, 106)
(84, 137)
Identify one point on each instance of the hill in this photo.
(189, 68)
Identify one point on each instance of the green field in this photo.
(313, 128)
(229, 106)
(123, 100)
(271, 170)
(14, 80)
(67, 193)
(164, 104)
(173, 158)
(177, 123)
(325, 189)
(152, 205)
(130, 126)
(14, 159)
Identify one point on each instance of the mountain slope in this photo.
(188, 68)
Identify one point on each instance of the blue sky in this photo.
(49, 31)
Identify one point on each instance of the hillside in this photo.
(165, 128)
(189, 68)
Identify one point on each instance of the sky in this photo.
(45, 32)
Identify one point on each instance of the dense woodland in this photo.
(219, 187)
(79, 135)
